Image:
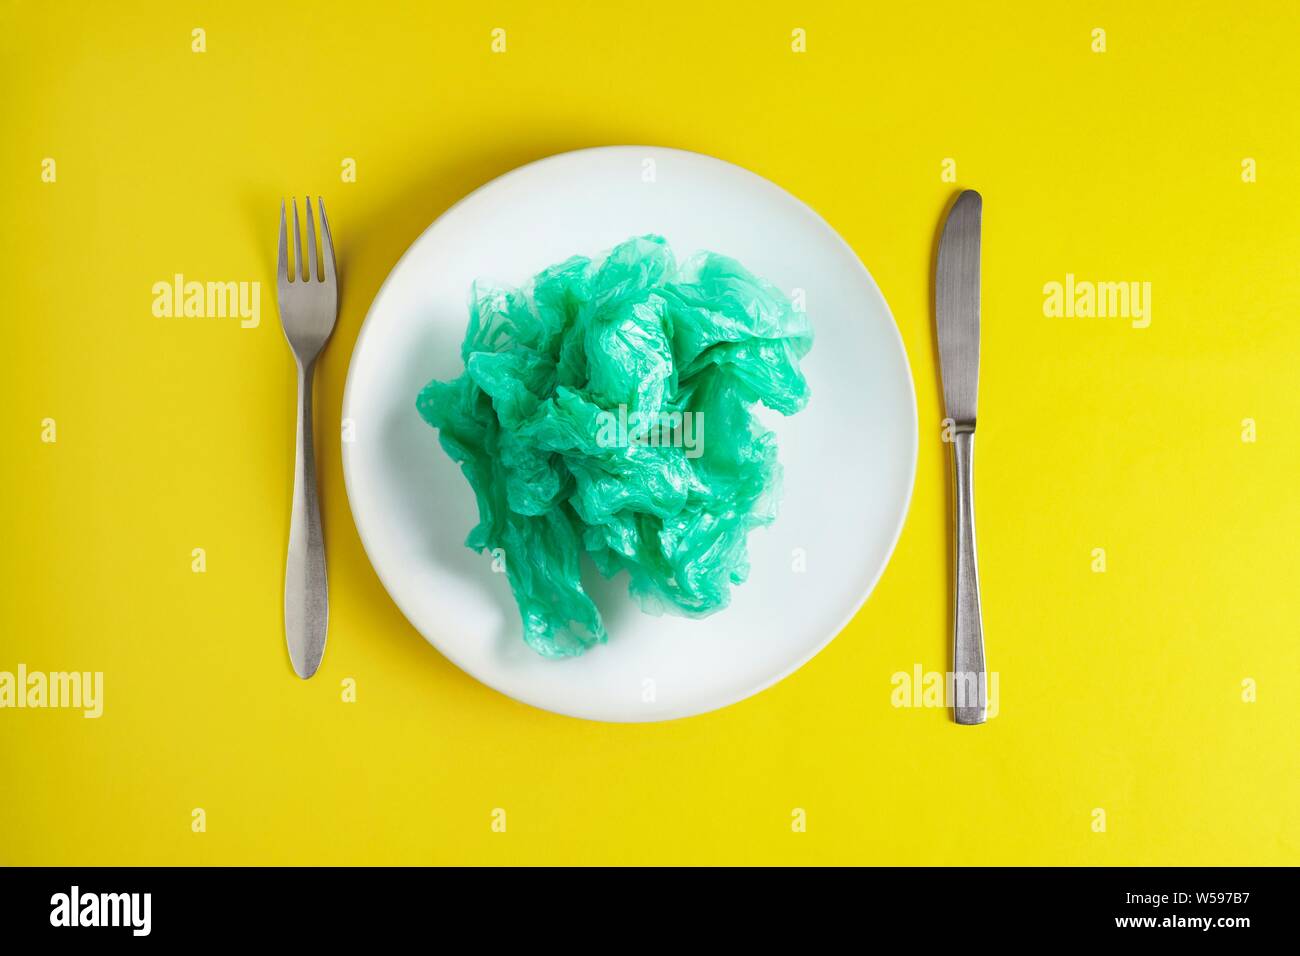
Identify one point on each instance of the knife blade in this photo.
(957, 307)
(957, 317)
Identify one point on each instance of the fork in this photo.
(308, 300)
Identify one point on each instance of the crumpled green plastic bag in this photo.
(607, 411)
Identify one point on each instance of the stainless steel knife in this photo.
(957, 313)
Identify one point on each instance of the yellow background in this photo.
(1119, 690)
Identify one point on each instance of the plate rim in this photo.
(729, 700)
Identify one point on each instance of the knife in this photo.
(957, 314)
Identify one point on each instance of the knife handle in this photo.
(970, 683)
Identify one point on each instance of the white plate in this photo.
(849, 457)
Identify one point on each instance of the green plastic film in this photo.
(607, 411)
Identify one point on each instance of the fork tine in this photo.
(299, 269)
(282, 261)
(312, 274)
(326, 244)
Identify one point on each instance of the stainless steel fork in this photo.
(308, 299)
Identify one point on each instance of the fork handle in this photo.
(970, 684)
(306, 591)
